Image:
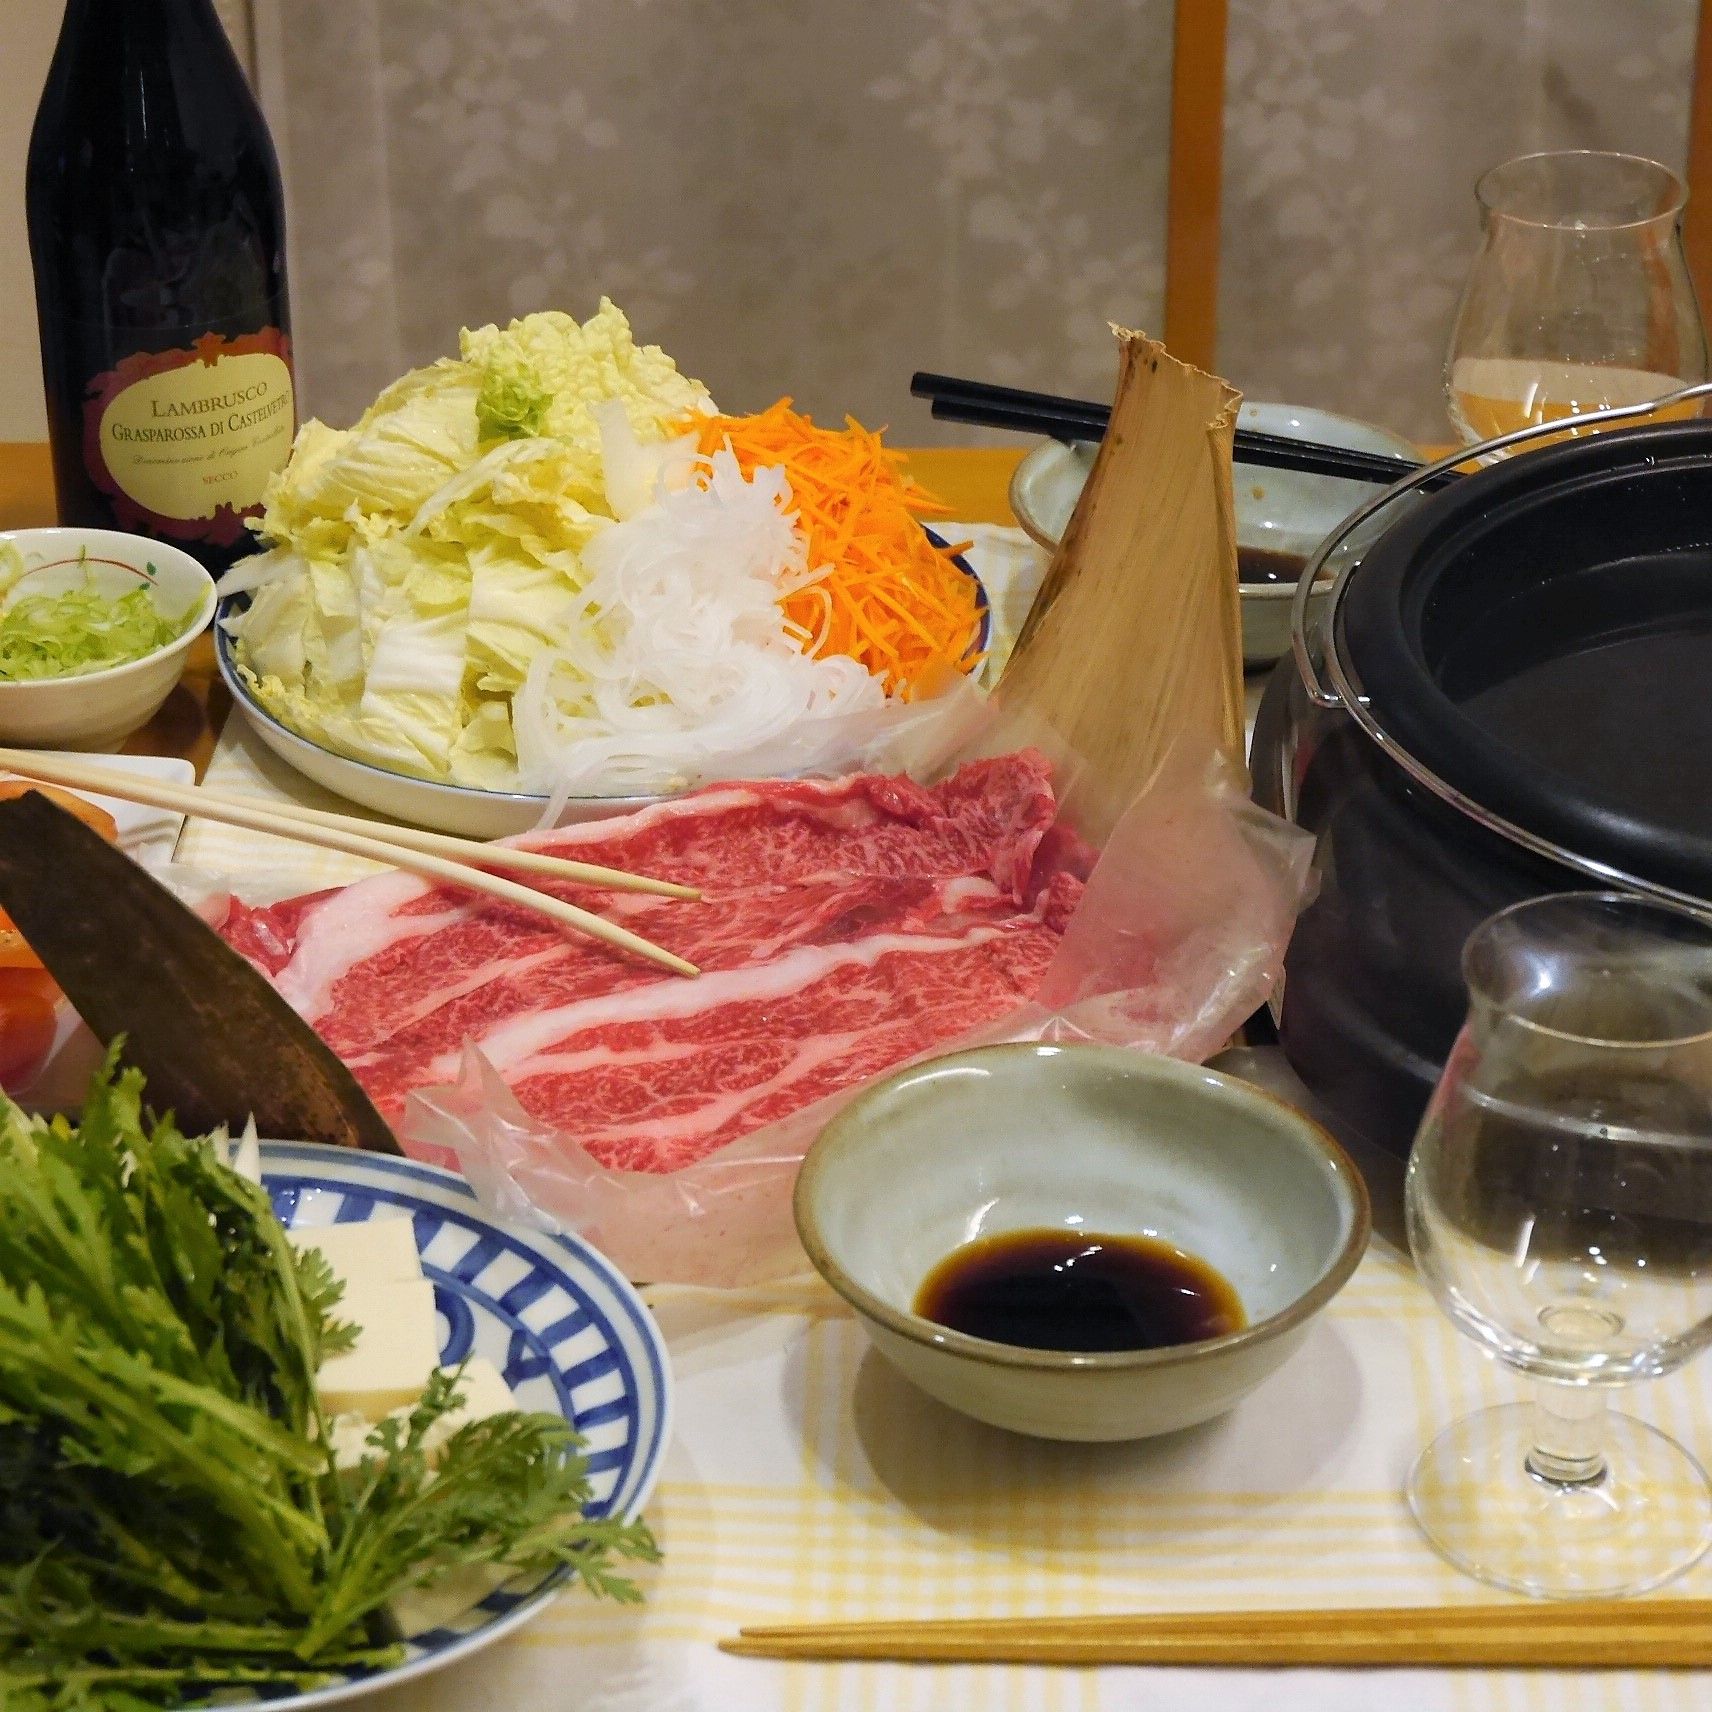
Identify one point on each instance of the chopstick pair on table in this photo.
(1647, 1634)
(461, 862)
(1044, 413)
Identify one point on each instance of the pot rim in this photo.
(1535, 476)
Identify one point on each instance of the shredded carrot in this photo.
(879, 589)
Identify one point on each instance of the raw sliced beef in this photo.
(844, 926)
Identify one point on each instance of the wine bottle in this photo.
(157, 236)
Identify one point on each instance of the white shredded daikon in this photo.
(678, 666)
(635, 474)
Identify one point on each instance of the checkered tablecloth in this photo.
(807, 1481)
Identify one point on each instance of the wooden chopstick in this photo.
(373, 843)
(990, 406)
(1659, 1634)
(471, 850)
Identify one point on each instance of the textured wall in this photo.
(1355, 130)
(27, 32)
(817, 197)
(822, 196)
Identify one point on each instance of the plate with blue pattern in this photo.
(556, 1317)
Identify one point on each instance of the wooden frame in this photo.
(1196, 177)
(1697, 225)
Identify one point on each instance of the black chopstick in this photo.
(1056, 424)
(951, 396)
(1072, 419)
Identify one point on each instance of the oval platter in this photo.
(463, 810)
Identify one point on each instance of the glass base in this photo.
(1645, 1519)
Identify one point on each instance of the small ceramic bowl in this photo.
(1280, 511)
(97, 709)
(1091, 1139)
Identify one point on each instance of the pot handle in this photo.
(1439, 473)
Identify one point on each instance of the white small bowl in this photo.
(1097, 1140)
(1281, 511)
(96, 710)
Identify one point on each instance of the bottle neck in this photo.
(133, 15)
(111, 50)
(119, 33)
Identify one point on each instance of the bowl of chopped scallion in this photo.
(94, 627)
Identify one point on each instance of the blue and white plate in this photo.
(563, 1325)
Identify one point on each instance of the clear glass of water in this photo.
(1560, 1210)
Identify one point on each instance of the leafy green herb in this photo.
(171, 1522)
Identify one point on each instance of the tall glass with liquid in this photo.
(1560, 1211)
(1579, 298)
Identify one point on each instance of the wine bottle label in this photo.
(183, 442)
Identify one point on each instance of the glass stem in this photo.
(1569, 1434)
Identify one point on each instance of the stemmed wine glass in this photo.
(1560, 1210)
(1580, 296)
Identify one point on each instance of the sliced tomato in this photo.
(27, 1001)
(70, 801)
(15, 952)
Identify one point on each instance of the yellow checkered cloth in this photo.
(808, 1481)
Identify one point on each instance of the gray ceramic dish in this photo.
(1094, 1139)
(1281, 511)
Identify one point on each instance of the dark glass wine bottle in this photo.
(157, 233)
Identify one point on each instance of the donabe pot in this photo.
(1532, 647)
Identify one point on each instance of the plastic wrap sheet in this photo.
(1179, 937)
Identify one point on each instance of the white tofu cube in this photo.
(397, 1348)
(422, 1608)
(348, 1435)
(484, 1393)
(380, 1251)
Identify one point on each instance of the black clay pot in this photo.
(1534, 649)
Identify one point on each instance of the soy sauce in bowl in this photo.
(1267, 568)
(1080, 1291)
